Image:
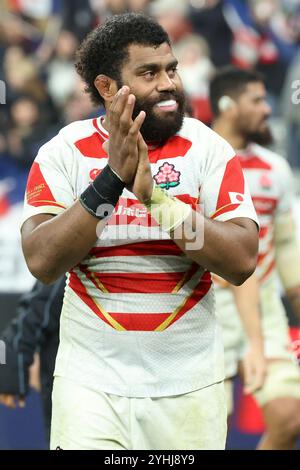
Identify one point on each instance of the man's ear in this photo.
(106, 86)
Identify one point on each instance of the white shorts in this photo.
(85, 419)
(274, 325)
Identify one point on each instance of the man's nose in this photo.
(267, 109)
(165, 83)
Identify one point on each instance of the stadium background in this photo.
(40, 93)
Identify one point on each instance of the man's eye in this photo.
(173, 71)
(149, 74)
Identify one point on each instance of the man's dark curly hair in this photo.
(105, 49)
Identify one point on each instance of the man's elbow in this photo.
(40, 270)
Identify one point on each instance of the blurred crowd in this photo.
(40, 91)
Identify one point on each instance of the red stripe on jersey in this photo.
(261, 257)
(127, 202)
(232, 182)
(38, 192)
(47, 203)
(77, 286)
(263, 231)
(4, 205)
(152, 247)
(132, 212)
(264, 205)
(187, 199)
(176, 146)
(91, 146)
(199, 292)
(254, 162)
(140, 283)
(140, 321)
(269, 270)
(155, 321)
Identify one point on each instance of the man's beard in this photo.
(264, 138)
(159, 129)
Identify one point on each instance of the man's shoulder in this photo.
(77, 130)
(197, 130)
(208, 147)
(194, 127)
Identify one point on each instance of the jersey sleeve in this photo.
(49, 187)
(225, 194)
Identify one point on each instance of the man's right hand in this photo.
(123, 135)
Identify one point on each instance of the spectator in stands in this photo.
(196, 71)
(60, 71)
(26, 131)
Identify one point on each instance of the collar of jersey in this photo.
(103, 132)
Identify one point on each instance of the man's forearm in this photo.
(53, 245)
(228, 249)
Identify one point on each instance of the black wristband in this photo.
(101, 196)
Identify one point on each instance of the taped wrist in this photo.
(101, 196)
(168, 211)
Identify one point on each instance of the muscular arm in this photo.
(53, 245)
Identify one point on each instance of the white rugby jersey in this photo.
(138, 317)
(271, 186)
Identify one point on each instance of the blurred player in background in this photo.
(254, 364)
(140, 360)
(238, 100)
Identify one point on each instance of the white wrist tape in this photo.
(168, 211)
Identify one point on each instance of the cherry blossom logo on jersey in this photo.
(167, 177)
